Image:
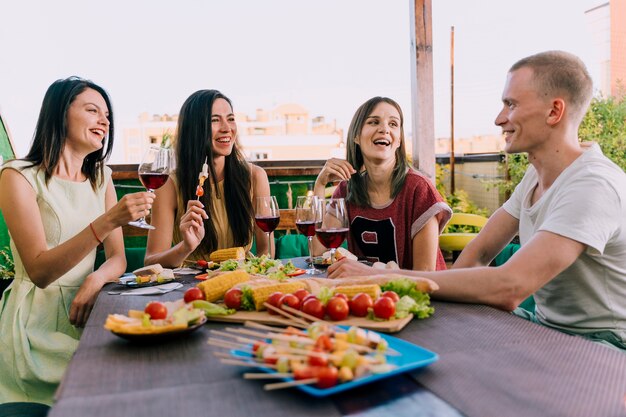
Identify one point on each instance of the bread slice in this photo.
(149, 270)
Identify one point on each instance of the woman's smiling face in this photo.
(381, 133)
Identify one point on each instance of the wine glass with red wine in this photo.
(154, 170)
(306, 211)
(267, 216)
(331, 226)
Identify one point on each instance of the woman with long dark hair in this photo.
(395, 213)
(191, 227)
(59, 205)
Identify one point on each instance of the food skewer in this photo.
(289, 384)
(301, 323)
(201, 178)
(263, 375)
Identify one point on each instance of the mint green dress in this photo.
(36, 337)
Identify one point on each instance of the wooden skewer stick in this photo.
(309, 317)
(227, 344)
(261, 326)
(249, 364)
(289, 384)
(231, 335)
(301, 323)
(262, 375)
(274, 336)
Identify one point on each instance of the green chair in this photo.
(291, 246)
(134, 258)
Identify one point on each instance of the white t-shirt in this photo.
(586, 203)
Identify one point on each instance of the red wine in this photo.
(153, 181)
(331, 238)
(267, 224)
(306, 228)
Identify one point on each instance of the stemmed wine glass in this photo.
(331, 226)
(306, 211)
(267, 216)
(154, 170)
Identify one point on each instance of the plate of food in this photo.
(364, 357)
(147, 276)
(159, 321)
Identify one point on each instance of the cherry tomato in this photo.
(156, 310)
(384, 308)
(309, 297)
(391, 294)
(337, 308)
(201, 263)
(193, 294)
(301, 294)
(340, 295)
(316, 359)
(314, 307)
(304, 372)
(324, 342)
(232, 298)
(327, 377)
(257, 345)
(360, 304)
(290, 300)
(273, 300)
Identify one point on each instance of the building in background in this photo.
(474, 144)
(608, 25)
(284, 133)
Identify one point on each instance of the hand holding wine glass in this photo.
(154, 170)
(306, 211)
(267, 217)
(331, 226)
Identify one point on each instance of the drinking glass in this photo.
(154, 170)
(331, 226)
(267, 216)
(306, 211)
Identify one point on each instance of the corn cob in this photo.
(220, 255)
(351, 290)
(215, 288)
(260, 294)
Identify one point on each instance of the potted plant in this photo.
(7, 269)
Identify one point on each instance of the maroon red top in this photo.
(385, 233)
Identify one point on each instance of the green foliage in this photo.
(605, 123)
(7, 268)
(459, 202)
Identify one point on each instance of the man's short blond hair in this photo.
(558, 73)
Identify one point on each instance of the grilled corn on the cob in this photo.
(351, 290)
(215, 288)
(220, 255)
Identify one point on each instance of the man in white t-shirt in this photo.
(569, 211)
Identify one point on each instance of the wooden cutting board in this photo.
(391, 326)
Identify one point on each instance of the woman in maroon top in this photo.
(395, 213)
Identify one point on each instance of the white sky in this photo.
(327, 55)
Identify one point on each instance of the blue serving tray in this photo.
(410, 357)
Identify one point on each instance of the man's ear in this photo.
(557, 111)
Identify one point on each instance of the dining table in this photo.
(490, 363)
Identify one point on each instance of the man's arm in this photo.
(496, 234)
(505, 287)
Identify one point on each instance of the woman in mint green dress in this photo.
(59, 204)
